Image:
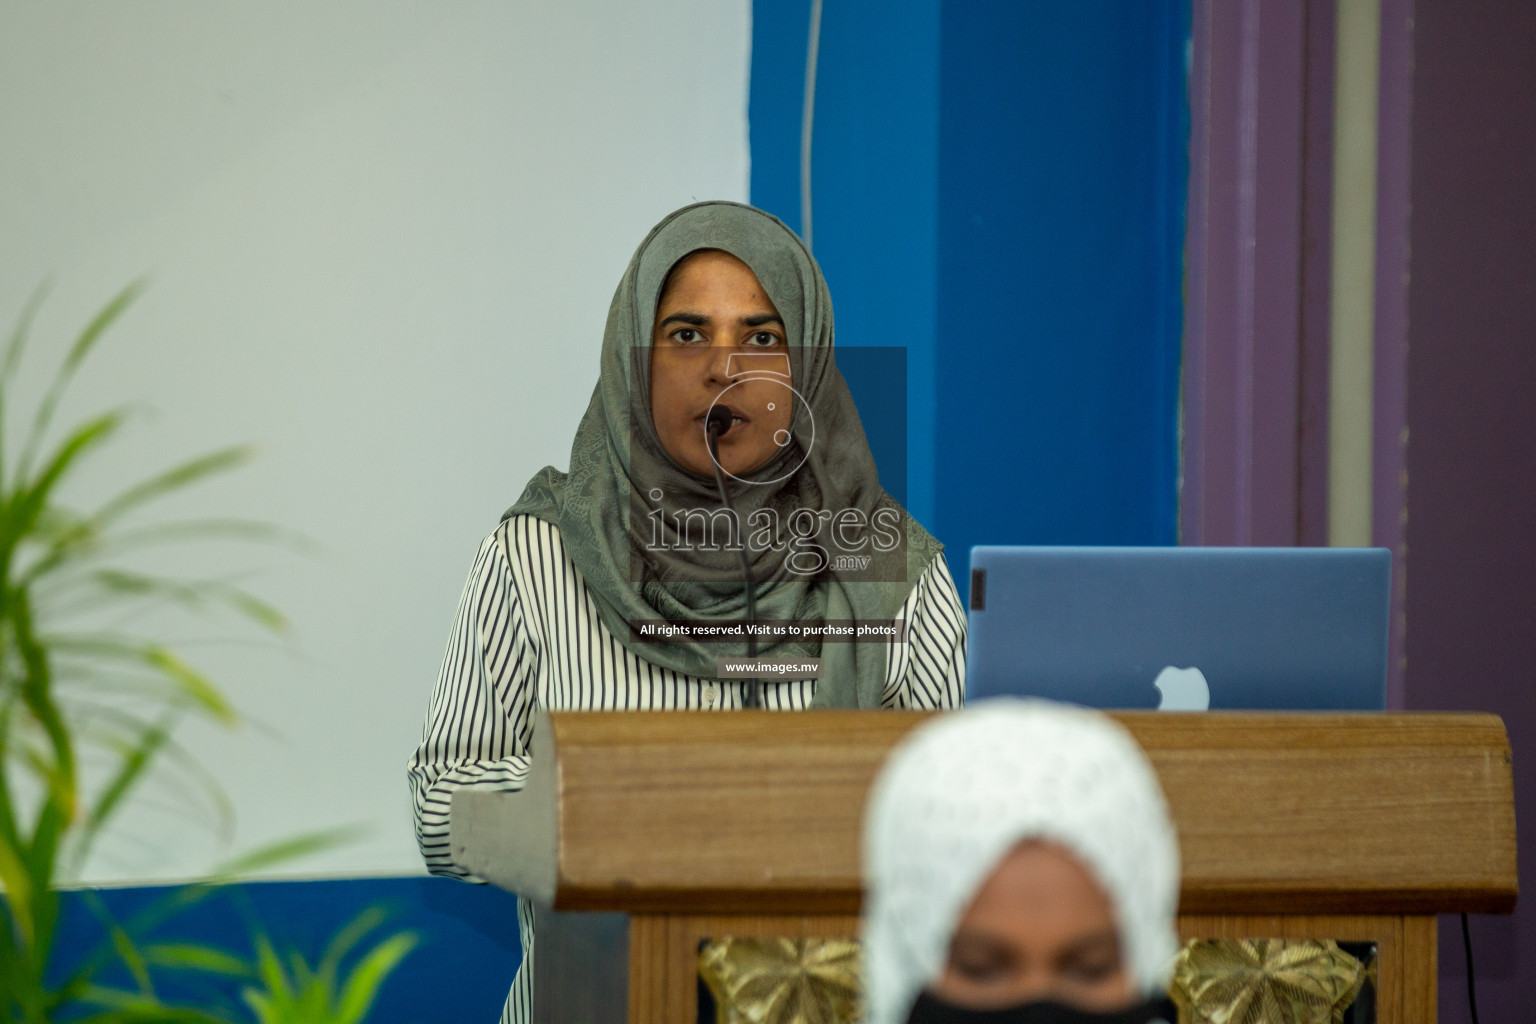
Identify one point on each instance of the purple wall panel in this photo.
(1389, 484)
(1241, 315)
(1274, 330)
(1471, 410)
(1315, 282)
(1208, 293)
(1455, 360)
(1255, 378)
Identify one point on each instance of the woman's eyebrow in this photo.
(691, 319)
(759, 319)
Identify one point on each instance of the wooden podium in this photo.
(698, 825)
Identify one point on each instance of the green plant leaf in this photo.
(255, 609)
(17, 343)
(82, 346)
(260, 1005)
(14, 347)
(79, 987)
(191, 779)
(119, 943)
(134, 763)
(188, 593)
(125, 1006)
(28, 503)
(56, 692)
(270, 970)
(67, 539)
(174, 479)
(128, 952)
(40, 862)
(195, 957)
(93, 331)
(177, 900)
(285, 850)
(193, 683)
(153, 535)
(9, 833)
(314, 995)
(76, 544)
(36, 695)
(18, 883)
(362, 985)
(349, 936)
(16, 972)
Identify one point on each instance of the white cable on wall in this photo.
(807, 120)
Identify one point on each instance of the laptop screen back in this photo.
(1181, 628)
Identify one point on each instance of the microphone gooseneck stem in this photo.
(754, 697)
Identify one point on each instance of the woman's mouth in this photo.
(738, 422)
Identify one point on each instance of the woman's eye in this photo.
(763, 339)
(687, 336)
(1094, 972)
(982, 973)
(981, 966)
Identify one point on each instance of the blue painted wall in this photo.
(875, 186)
(999, 186)
(1061, 195)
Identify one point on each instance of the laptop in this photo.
(1272, 629)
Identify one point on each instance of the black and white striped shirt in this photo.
(527, 635)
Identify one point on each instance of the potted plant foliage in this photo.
(73, 696)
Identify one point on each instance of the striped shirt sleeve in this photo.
(933, 677)
(480, 716)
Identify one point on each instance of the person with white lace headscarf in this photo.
(1019, 865)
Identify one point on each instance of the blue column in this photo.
(998, 186)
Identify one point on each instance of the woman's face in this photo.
(1039, 928)
(715, 324)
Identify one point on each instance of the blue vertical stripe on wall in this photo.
(999, 186)
(1061, 194)
(874, 186)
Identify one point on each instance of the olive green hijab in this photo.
(622, 481)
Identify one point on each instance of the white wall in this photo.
(382, 238)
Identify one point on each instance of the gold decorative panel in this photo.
(783, 981)
(1265, 981)
(1215, 981)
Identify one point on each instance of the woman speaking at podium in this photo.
(626, 582)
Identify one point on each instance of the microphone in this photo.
(717, 422)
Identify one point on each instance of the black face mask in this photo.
(931, 1010)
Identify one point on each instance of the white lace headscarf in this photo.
(964, 789)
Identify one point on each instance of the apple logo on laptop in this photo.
(1183, 689)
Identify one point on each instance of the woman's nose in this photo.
(718, 366)
(1033, 985)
